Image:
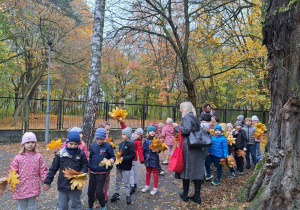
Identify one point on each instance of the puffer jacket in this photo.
(240, 139)
(250, 130)
(168, 134)
(151, 158)
(97, 154)
(219, 148)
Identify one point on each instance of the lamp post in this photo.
(48, 96)
(153, 104)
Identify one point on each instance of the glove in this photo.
(142, 162)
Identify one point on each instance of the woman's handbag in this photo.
(199, 139)
(176, 162)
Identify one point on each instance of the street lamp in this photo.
(48, 96)
(153, 104)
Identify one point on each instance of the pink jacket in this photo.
(31, 168)
(80, 146)
(168, 133)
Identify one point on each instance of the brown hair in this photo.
(205, 105)
(248, 119)
(22, 150)
(102, 125)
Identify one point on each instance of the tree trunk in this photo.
(187, 80)
(212, 85)
(275, 182)
(92, 101)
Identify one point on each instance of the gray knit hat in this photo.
(127, 131)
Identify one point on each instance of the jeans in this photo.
(65, 196)
(26, 203)
(251, 149)
(258, 152)
(96, 184)
(216, 160)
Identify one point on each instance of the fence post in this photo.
(59, 113)
(225, 117)
(264, 117)
(174, 113)
(143, 116)
(106, 110)
(245, 113)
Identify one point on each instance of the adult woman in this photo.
(207, 110)
(194, 160)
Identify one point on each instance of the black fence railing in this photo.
(67, 113)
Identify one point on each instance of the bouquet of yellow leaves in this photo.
(13, 179)
(118, 158)
(212, 132)
(228, 162)
(260, 128)
(263, 141)
(241, 153)
(158, 144)
(54, 144)
(79, 179)
(120, 114)
(229, 138)
(111, 143)
(105, 162)
(3, 183)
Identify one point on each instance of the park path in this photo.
(167, 198)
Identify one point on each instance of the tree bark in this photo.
(275, 182)
(92, 101)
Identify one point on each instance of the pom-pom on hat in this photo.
(100, 133)
(218, 127)
(254, 117)
(73, 136)
(127, 131)
(151, 128)
(169, 121)
(27, 137)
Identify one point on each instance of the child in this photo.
(255, 120)
(241, 119)
(151, 161)
(240, 144)
(229, 127)
(99, 151)
(137, 137)
(217, 151)
(68, 157)
(123, 169)
(168, 134)
(107, 127)
(158, 135)
(31, 167)
(249, 129)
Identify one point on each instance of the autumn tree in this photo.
(275, 182)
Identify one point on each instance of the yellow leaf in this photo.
(241, 153)
(54, 144)
(118, 158)
(230, 140)
(105, 162)
(78, 182)
(13, 179)
(118, 113)
(212, 132)
(3, 183)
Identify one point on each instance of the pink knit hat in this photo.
(27, 137)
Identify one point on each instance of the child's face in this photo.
(254, 122)
(248, 122)
(229, 129)
(72, 145)
(81, 136)
(124, 137)
(151, 133)
(29, 146)
(238, 127)
(107, 128)
(218, 132)
(137, 136)
(100, 141)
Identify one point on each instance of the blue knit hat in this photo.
(127, 131)
(218, 127)
(100, 133)
(151, 128)
(73, 136)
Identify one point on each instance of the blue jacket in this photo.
(219, 148)
(151, 158)
(97, 154)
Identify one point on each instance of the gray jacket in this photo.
(249, 133)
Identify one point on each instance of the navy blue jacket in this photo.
(151, 158)
(97, 154)
(128, 155)
(240, 139)
(62, 160)
(219, 148)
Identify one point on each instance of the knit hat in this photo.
(73, 136)
(127, 131)
(78, 130)
(160, 125)
(229, 125)
(207, 117)
(151, 128)
(218, 127)
(254, 117)
(100, 133)
(238, 123)
(169, 121)
(240, 118)
(138, 130)
(224, 127)
(27, 137)
(155, 126)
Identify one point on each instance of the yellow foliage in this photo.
(3, 183)
(120, 114)
(157, 145)
(212, 132)
(105, 162)
(109, 140)
(118, 158)
(13, 179)
(228, 162)
(79, 179)
(263, 141)
(54, 144)
(230, 139)
(241, 153)
(78, 182)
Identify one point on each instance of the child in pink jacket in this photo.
(31, 168)
(168, 134)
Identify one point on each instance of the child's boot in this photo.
(115, 197)
(196, 197)
(128, 199)
(132, 189)
(184, 194)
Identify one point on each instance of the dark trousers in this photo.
(96, 184)
(251, 149)
(216, 160)
(239, 162)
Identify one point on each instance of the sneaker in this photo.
(132, 190)
(154, 191)
(248, 166)
(216, 182)
(115, 197)
(166, 162)
(103, 208)
(162, 172)
(145, 189)
(135, 186)
(208, 177)
(233, 174)
(128, 199)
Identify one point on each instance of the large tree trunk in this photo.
(275, 183)
(92, 101)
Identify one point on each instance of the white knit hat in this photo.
(254, 117)
(169, 120)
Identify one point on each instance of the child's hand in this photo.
(142, 162)
(55, 150)
(119, 121)
(112, 160)
(174, 125)
(46, 187)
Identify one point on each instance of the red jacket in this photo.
(138, 146)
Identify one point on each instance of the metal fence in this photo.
(67, 113)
